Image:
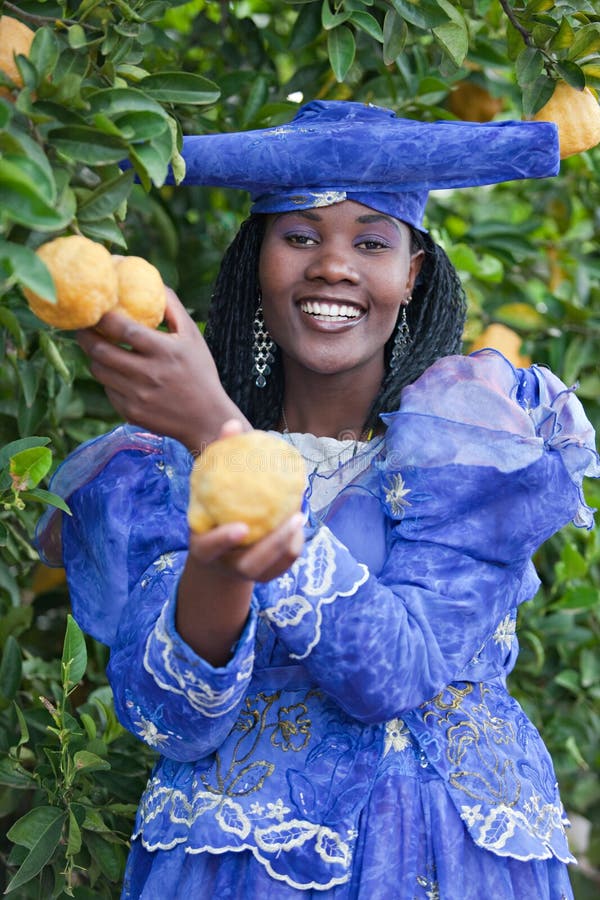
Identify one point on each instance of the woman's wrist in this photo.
(212, 610)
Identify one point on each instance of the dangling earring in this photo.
(262, 348)
(401, 340)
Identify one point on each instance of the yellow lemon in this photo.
(141, 290)
(504, 339)
(85, 280)
(577, 115)
(254, 477)
(15, 38)
(473, 103)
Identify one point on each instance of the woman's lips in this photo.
(329, 311)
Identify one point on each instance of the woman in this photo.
(330, 704)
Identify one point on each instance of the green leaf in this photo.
(17, 446)
(28, 467)
(425, 14)
(140, 126)
(307, 27)
(151, 160)
(76, 37)
(23, 203)
(44, 50)
(13, 775)
(10, 671)
(40, 830)
(86, 144)
(105, 230)
(369, 24)
(28, 270)
(107, 855)
(83, 759)
(74, 838)
(579, 598)
(528, 65)
(106, 198)
(331, 19)
(54, 357)
(39, 495)
(9, 321)
(116, 101)
(74, 655)
(564, 37)
(585, 42)
(341, 48)
(395, 33)
(572, 74)
(536, 94)
(180, 87)
(454, 38)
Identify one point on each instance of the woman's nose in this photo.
(331, 265)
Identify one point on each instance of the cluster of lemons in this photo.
(90, 282)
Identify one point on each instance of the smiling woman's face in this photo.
(332, 282)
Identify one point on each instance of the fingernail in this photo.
(297, 521)
(296, 544)
(238, 530)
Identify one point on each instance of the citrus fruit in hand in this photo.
(15, 38)
(141, 290)
(504, 339)
(254, 477)
(577, 115)
(85, 280)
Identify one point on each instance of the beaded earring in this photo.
(401, 340)
(262, 348)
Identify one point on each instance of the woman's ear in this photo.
(416, 261)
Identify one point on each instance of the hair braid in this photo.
(435, 318)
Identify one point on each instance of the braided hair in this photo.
(435, 317)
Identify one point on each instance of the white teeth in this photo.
(329, 310)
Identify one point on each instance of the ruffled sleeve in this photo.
(127, 492)
(124, 548)
(483, 463)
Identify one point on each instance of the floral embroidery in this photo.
(292, 731)
(238, 798)
(395, 496)
(483, 760)
(505, 632)
(312, 576)
(277, 810)
(148, 732)
(397, 736)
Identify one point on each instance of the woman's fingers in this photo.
(262, 561)
(215, 544)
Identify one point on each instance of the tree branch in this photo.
(510, 14)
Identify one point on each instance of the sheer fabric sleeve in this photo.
(124, 548)
(483, 463)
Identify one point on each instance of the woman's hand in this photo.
(215, 588)
(166, 382)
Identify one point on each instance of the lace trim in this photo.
(200, 693)
(312, 575)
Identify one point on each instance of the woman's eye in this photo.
(373, 244)
(301, 239)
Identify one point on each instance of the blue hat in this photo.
(342, 150)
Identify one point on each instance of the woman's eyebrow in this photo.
(378, 217)
(305, 213)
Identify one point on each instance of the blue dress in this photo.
(360, 742)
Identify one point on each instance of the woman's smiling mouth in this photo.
(330, 311)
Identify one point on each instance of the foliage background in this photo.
(114, 79)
